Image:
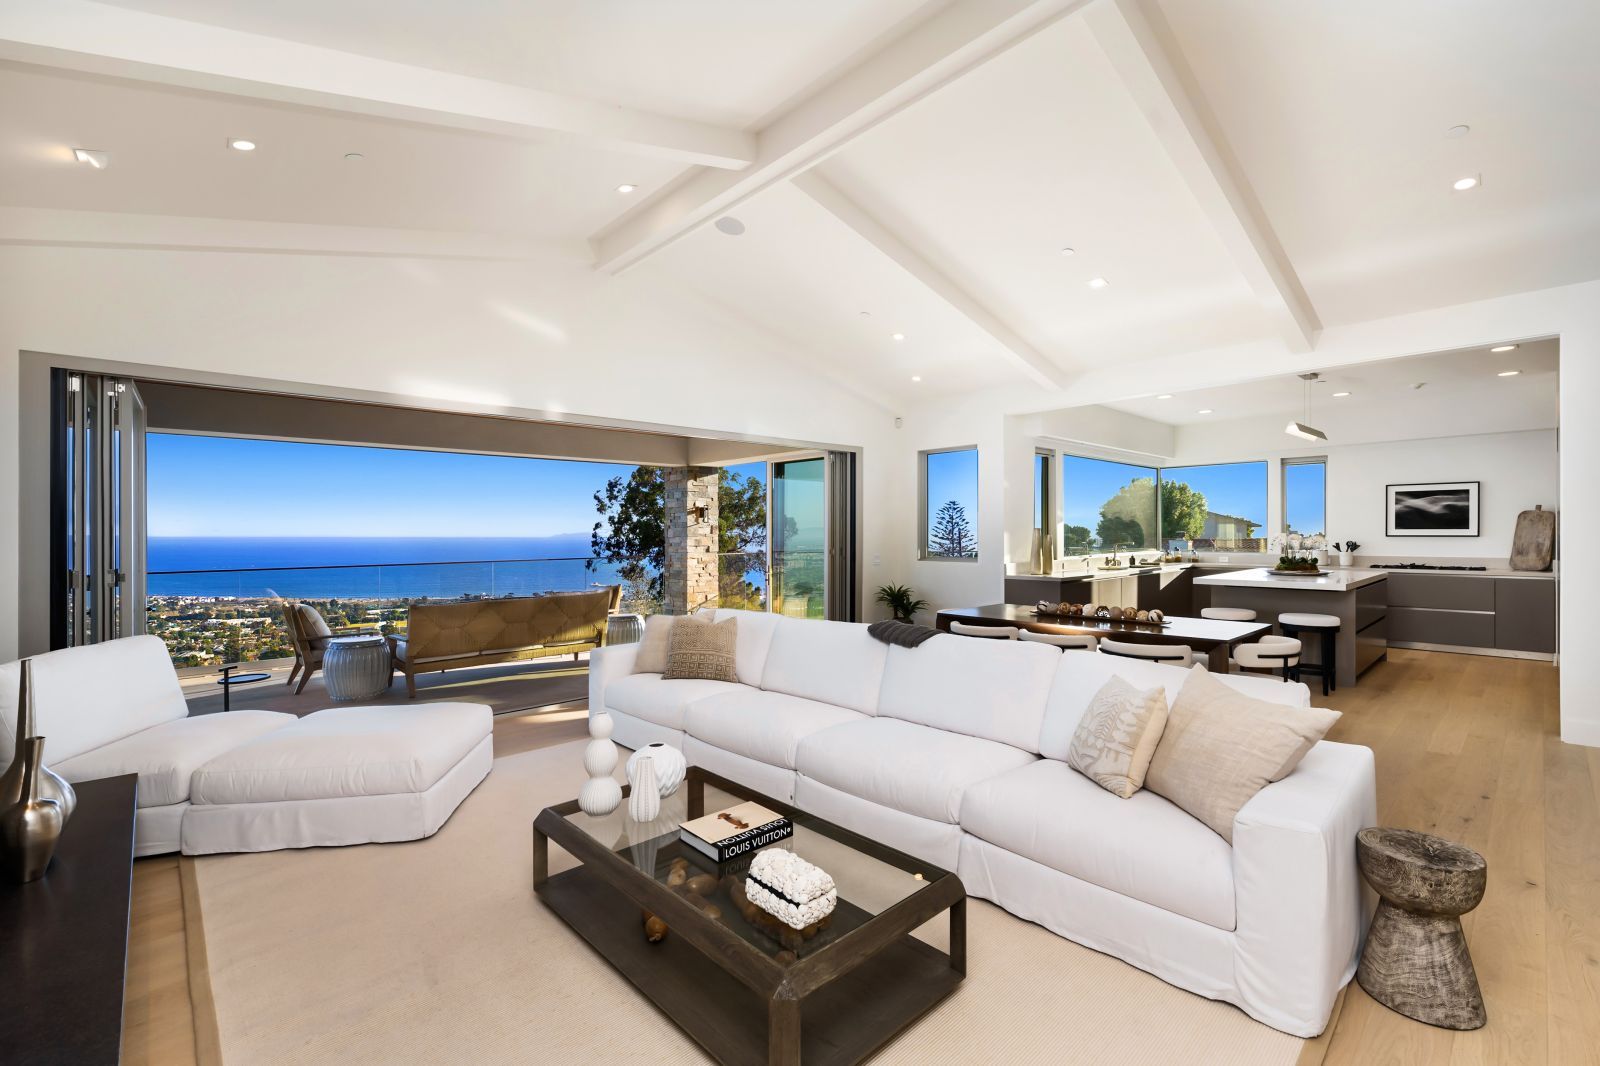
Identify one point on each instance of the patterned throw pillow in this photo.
(1221, 747)
(1117, 736)
(702, 649)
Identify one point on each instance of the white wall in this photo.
(551, 336)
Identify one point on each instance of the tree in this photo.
(952, 534)
(1117, 531)
(1076, 537)
(631, 533)
(1183, 511)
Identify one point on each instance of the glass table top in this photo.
(869, 878)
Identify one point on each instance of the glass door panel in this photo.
(799, 538)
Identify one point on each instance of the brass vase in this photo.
(52, 786)
(30, 828)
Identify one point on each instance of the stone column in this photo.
(691, 535)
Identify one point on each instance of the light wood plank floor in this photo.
(1467, 747)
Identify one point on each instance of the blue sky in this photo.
(227, 487)
(953, 476)
(1304, 497)
(1086, 485)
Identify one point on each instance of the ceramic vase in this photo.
(1347, 560)
(644, 802)
(600, 794)
(670, 767)
(30, 827)
(52, 786)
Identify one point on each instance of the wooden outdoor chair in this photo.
(309, 632)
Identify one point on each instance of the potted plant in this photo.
(902, 601)
(1347, 552)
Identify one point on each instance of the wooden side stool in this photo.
(1416, 961)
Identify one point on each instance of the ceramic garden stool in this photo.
(1416, 960)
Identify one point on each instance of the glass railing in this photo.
(209, 617)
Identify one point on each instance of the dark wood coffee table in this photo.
(842, 995)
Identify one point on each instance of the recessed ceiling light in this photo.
(1504, 348)
(97, 159)
(1069, 251)
(1203, 411)
(898, 336)
(1098, 283)
(1457, 131)
(627, 187)
(729, 225)
(1165, 396)
(916, 377)
(1508, 373)
(1338, 395)
(239, 144)
(1463, 184)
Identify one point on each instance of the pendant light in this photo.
(1304, 430)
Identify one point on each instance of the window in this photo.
(1043, 518)
(1107, 506)
(1305, 496)
(1215, 508)
(950, 504)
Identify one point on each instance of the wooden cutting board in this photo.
(1533, 545)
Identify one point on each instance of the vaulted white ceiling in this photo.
(1236, 170)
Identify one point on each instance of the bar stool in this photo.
(1228, 614)
(1326, 624)
(1270, 655)
(1064, 641)
(1176, 654)
(962, 629)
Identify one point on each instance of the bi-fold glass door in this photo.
(97, 492)
(812, 536)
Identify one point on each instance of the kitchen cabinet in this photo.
(1525, 614)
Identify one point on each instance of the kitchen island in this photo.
(1358, 598)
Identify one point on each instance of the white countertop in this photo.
(1260, 577)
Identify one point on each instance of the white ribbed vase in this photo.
(644, 802)
(670, 767)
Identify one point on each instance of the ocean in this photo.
(372, 567)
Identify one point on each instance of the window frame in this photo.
(1062, 454)
(1266, 491)
(1283, 489)
(924, 525)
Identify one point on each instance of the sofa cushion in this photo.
(347, 751)
(1079, 677)
(652, 658)
(166, 756)
(831, 662)
(702, 649)
(87, 697)
(994, 689)
(765, 726)
(909, 767)
(1117, 735)
(1142, 847)
(656, 700)
(755, 641)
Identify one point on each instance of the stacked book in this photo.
(737, 831)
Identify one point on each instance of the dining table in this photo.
(1213, 637)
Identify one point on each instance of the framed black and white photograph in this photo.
(1436, 509)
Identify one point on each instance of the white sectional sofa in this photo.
(954, 752)
(246, 780)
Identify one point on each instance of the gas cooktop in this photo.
(1422, 566)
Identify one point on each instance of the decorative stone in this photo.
(644, 801)
(671, 767)
(1157, 616)
(1415, 961)
(1116, 613)
(655, 930)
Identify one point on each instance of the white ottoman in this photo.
(345, 775)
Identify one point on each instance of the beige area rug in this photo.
(437, 951)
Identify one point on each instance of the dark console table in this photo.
(64, 938)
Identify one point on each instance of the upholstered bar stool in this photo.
(1328, 626)
(1228, 614)
(1064, 641)
(1271, 654)
(962, 629)
(1176, 654)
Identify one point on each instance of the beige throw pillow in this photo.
(652, 655)
(702, 649)
(1221, 747)
(1117, 736)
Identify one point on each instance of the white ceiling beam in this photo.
(96, 38)
(1136, 38)
(957, 39)
(830, 198)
